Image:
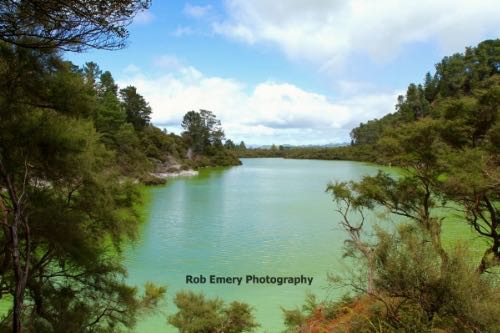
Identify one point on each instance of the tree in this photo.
(203, 130)
(473, 183)
(412, 291)
(65, 207)
(68, 25)
(195, 131)
(430, 87)
(91, 74)
(419, 293)
(229, 144)
(109, 115)
(414, 105)
(214, 128)
(136, 108)
(19, 99)
(107, 85)
(198, 314)
(444, 139)
(350, 207)
(238, 318)
(416, 148)
(242, 146)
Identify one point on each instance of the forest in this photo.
(75, 149)
(444, 138)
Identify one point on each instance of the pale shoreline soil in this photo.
(181, 173)
(171, 168)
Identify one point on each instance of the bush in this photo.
(198, 314)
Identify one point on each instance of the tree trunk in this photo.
(19, 279)
(19, 220)
(490, 258)
(492, 255)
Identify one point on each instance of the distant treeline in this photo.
(353, 153)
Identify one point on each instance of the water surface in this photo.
(266, 217)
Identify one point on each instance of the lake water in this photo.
(267, 217)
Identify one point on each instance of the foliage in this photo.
(136, 108)
(229, 144)
(197, 314)
(414, 292)
(66, 203)
(428, 293)
(71, 151)
(203, 130)
(352, 153)
(443, 137)
(68, 25)
(72, 147)
(204, 135)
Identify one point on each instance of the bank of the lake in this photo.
(266, 217)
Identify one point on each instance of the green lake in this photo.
(267, 217)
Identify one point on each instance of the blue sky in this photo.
(289, 72)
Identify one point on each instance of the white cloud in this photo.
(167, 61)
(131, 69)
(329, 32)
(270, 112)
(182, 31)
(144, 17)
(197, 11)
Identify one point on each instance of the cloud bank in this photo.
(269, 112)
(329, 32)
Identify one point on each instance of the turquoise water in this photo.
(266, 217)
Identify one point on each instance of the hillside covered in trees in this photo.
(461, 98)
(445, 139)
(120, 117)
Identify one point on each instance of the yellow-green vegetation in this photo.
(142, 205)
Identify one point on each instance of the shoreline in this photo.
(182, 173)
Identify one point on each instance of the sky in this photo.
(294, 72)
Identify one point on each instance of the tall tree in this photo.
(136, 108)
(203, 129)
(229, 144)
(65, 207)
